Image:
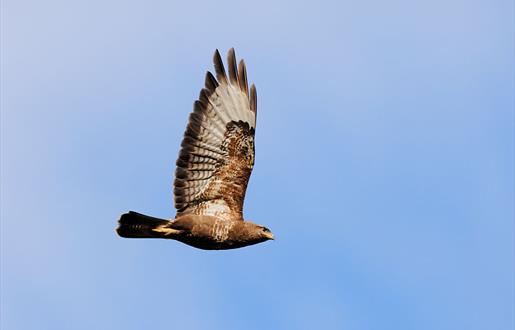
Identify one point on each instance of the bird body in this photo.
(213, 169)
(205, 232)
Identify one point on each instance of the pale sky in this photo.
(384, 164)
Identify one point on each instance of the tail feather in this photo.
(136, 225)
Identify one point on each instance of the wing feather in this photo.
(219, 68)
(242, 77)
(253, 99)
(231, 62)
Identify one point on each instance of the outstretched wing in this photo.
(217, 154)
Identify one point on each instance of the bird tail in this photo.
(136, 225)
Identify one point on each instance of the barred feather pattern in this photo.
(217, 151)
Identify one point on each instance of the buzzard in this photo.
(213, 169)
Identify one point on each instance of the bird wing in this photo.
(217, 154)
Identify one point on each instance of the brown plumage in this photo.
(213, 169)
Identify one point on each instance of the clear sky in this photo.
(384, 164)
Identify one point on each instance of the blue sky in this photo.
(384, 164)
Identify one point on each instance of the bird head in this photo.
(266, 233)
(253, 233)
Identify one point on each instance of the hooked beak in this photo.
(270, 236)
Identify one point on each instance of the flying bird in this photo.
(213, 169)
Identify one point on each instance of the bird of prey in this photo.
(213, 169)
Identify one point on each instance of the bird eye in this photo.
(266, 230)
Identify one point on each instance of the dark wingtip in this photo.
(210, 82)
(242, 77)
(253, 98)
(231, 63)
(219, 67)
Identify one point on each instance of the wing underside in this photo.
(217, 151)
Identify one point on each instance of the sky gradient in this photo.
(384, 164)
